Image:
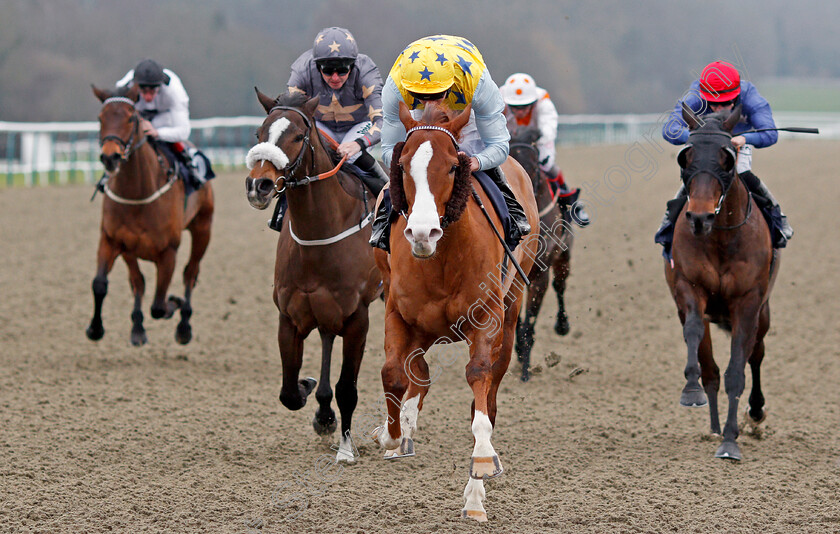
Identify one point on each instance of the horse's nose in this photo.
(700, 223)
(110, 161)
(259, 191)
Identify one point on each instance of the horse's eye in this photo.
(453, 170)
(257, 134)
(299, 137)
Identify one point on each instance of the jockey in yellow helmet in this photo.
(450, 70)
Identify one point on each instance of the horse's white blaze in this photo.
(269, 151)
(410, 411)
(424, 216)
(482, 429)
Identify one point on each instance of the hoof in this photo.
(482, 467)
(325, 428)
(139, 338)
(728, 450)
(755, 422)
(526, 376)
(405, 449)
(95, 333)
(561, 326)
(478, 515)
(693, 397)
(183, 333)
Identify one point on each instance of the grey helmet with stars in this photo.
(334, 43)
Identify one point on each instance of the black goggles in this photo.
(429, 96)
(329, 70)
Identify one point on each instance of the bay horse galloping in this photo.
(444, 285)
(723, 271)
(144, 213)
(325, 276)
(557, 233)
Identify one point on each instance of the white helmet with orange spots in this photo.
(519, 90)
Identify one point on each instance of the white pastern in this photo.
(345, 450)
(482, 430)
(269, 151)
(384, 437)
(423, 227)
(474, 495)
(408, 418)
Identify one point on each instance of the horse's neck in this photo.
(322, 206)
(543, 192)
(139, 176)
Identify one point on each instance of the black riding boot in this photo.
(379, 230)
(276, 221)
(521, 227)
(378, 178)
(665, 234)
(777, 219)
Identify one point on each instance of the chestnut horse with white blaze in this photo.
(144, 213)
(723, 270)
(438, 278)
(324, 275)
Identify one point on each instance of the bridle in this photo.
(290, 169)
(720, 176)
(128, 146)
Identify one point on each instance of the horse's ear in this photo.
(133, 93)
(101, 94)
(460, 121)
(406, 118)
(266, 101)
(690, 117)
(727, 158)
(732, 119)
(311, 105)
(685, 156)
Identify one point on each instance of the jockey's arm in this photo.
(488, 107)
(547, 123)
(393, 130)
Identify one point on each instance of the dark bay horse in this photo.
(556, 231)
(144, 213)
(445, 285)
(723, 271)
(325, 276)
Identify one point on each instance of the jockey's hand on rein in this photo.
(474, 165)
(738, 141)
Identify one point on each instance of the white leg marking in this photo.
(474, 495)
(345, 450)
(408, 418)
(482, 429)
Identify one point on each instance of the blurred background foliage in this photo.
(606, 56)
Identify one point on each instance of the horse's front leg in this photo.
(405, 370)
(105, 257)
(354, 337)
(293, 392)
(161, 309)
(200, 237)
(324, 422)
(692, 307)
(138, 287)
(485, 351)
(745, 320)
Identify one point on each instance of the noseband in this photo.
(128, 146)
(290, 169)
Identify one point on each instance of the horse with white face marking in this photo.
(444, 285)
(324, 277)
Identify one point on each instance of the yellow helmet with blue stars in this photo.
(426, 70)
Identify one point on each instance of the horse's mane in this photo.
(527, 135)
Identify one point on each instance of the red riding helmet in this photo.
(720, 82)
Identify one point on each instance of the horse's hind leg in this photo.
(756, 413)
(293, 392)
(324, 422)
(200, 237)
(165, 268)
(525, 327)
(354, 336)
(138, 287)
(561, 269)
(105, 257)
(710, 374)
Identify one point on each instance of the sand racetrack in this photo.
(105, 437)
